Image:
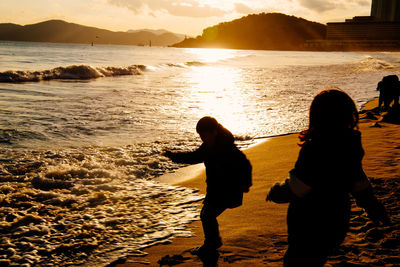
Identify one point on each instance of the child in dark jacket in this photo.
(327, 171)
(228, 175)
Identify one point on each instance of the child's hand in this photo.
(268, 198)
(167, 154)
(274, 187)
(280, 193)
(244, 189)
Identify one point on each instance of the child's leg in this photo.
(208, 216)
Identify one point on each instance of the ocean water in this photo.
(82, 129)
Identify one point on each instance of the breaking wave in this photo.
(74, 72)
(373, 64)
(195, 64)
(185, 65)
(82, 72)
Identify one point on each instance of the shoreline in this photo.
(260, 238)
(232, 227)
(187, 173)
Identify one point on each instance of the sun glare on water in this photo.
(206, 55)
(217, 90)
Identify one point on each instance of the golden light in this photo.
(216, 90)
(206, 55)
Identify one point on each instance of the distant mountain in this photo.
(272, 31)
(58, 31)
(157, 32)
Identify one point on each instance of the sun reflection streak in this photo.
(206, 55)
(216, 91)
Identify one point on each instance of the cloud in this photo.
(329, 5)
(363, 2)
(319, 5)
(243, 9)
(181, 8)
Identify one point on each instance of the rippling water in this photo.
(82, 129)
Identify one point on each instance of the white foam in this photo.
(94, 219)
(74, 72)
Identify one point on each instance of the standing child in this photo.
(228, 175)
(327, 170)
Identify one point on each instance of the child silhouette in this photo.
(228, 175)
(327, 171)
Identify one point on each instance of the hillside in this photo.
(58, 31)
(157, 32)
(272, 31)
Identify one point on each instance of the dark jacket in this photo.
(227, 170)
(331, 167)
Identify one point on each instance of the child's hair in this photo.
(331, 111)
(207, 124)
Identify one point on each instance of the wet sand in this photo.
(255, 233)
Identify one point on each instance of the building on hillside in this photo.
(379, 31)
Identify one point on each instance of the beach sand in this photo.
(255, 233)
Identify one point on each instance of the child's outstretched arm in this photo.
(365, 198)
(192, 157)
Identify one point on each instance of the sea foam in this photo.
(64, 208)
(74, 72)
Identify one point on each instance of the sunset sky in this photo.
(181, 16)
